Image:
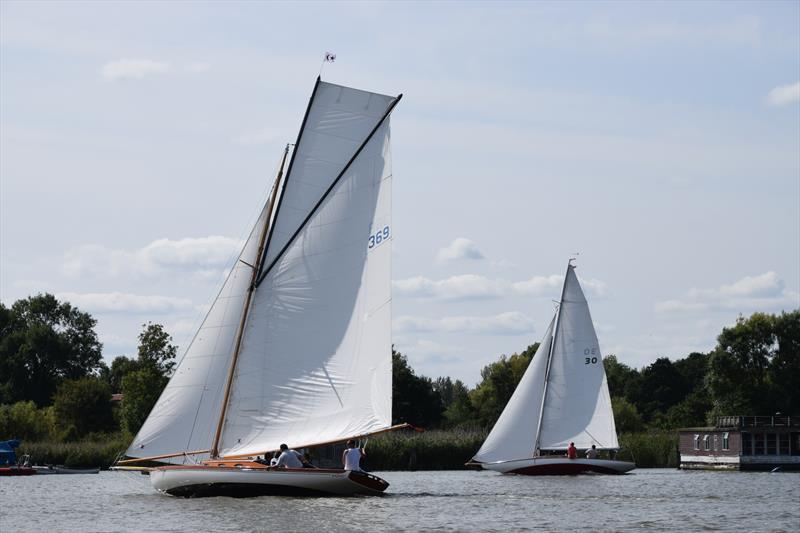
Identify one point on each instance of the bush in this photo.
(23, 420)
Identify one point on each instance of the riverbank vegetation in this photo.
(70, 407)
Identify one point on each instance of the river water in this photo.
(652, 500)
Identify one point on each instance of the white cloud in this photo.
(784, 94)
(204, 257)
(132, 69)
(460, 248)
(117, 302)
(476, 287)
(510, 323)
(751, 293)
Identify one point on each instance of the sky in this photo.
(659, 141)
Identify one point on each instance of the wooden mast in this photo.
(243, 321)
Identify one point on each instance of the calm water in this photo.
(651, 500)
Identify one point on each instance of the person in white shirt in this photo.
(351, 457)
(288, 458)
(591, 453)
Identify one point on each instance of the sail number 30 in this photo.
(377, 238)
(592, 353)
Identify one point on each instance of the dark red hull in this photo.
(16, 471)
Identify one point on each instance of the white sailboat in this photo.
(562, 398)
(296, 347)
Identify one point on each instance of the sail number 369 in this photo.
(591, 354)
(376, 238)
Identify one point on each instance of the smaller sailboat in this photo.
(562, 398)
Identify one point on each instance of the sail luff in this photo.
(332, 186)
(549, 361)
(243, 320)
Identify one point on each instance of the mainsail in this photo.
(563, 395)
(314, 363)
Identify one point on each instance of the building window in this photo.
(706, 443)
(697, 442)
(758, 444)
(747, 444)
(783, 444)
(771, 444)
(716, 442)
(726, 442)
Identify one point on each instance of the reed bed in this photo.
(429, 450)
(87, 453)
(650, 449)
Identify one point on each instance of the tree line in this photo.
(54, 384)
(753, 370)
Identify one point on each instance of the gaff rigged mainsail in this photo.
(314, 363)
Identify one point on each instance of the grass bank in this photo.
(86, 453)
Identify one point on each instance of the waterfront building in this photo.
(742, 443)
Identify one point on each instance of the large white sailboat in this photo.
(296, 347)
(562, 398)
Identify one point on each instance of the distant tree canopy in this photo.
(81, 407)
(755, 367)
(54, 384)
(42, 343)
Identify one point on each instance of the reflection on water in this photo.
(645, 499)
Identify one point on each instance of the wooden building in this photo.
(742, 443)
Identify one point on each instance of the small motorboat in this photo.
(53, 469)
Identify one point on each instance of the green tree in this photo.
(755, 369)
(83, 406)
(23, 420)
(120, 366)
(626, 417)
(140, 391)
(499, 380)
(414, 399)
(156, 349)
(459, 412)
(43, 343)
(660, 387)
(622, 379)
(143, 380)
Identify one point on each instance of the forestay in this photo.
(577, 405)
(186, 415)
(315, 361)
(514, 434)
